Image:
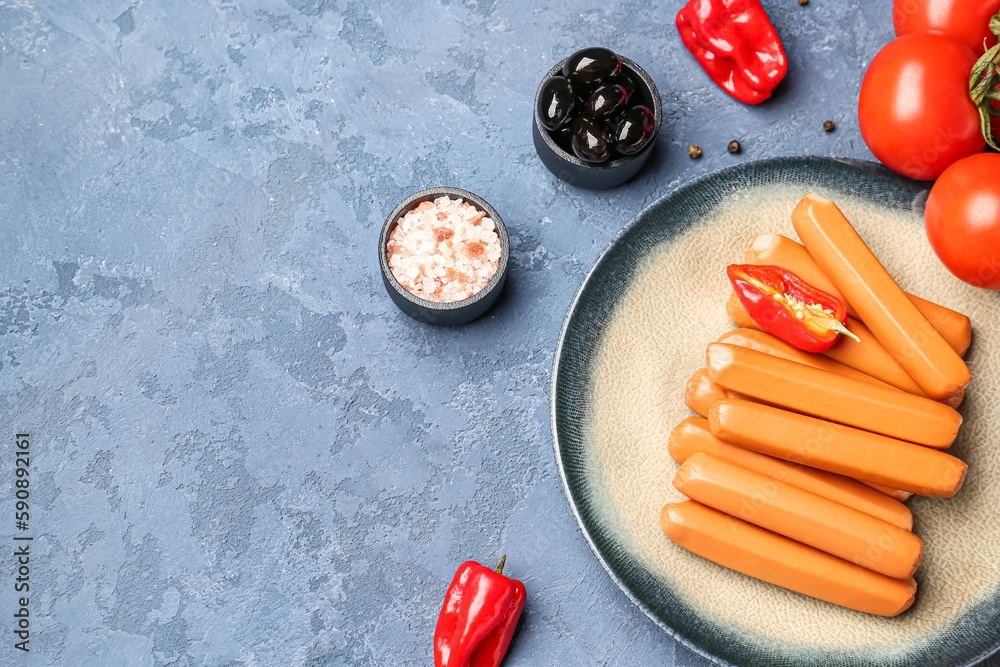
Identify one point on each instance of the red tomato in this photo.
(962, 219)
(968, 20)
(914, 110)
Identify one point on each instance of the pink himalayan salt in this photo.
(444, 251)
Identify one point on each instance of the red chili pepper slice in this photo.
(736, 45)
(480, 613)
(788, 307)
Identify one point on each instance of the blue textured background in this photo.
(243, 453)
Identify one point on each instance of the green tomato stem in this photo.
(983, 82)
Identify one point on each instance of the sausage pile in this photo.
(798, 466)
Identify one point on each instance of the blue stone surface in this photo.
(241, 452)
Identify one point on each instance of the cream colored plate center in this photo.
(655, 342)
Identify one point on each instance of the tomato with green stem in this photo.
(916, 111)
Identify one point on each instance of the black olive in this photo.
(606, 100)
(564, 137)
(626, 81)
(591, 66)
(555, 103)
(589, 141)
(633, 130)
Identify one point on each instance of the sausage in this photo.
(883, 306)
(762, 341)
(868, 356)
(833, 397)
(777, 250)
(895, 494)
(700, 391)
(837, 448)
(692, 436)
(800, 515)
(773, 558)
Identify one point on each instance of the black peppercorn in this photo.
(734, 147)
(828, 126)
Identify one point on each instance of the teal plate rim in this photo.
(974, 636)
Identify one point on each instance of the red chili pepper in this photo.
(736, 45)
(478, 618)
(788, 307)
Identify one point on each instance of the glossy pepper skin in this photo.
(478, 618)
(736, 45)
(786, 306)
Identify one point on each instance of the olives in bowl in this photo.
(597, 115)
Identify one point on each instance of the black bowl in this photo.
(455, 312)
(603, 175)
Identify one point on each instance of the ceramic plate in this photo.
(637, 330)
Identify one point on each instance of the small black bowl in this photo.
(603, 175)
(455, 312)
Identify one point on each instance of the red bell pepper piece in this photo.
(478, 618)
(788, 307)
(736, 45)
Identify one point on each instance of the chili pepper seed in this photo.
(694, 151)
(828, 126)
(734, 147)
